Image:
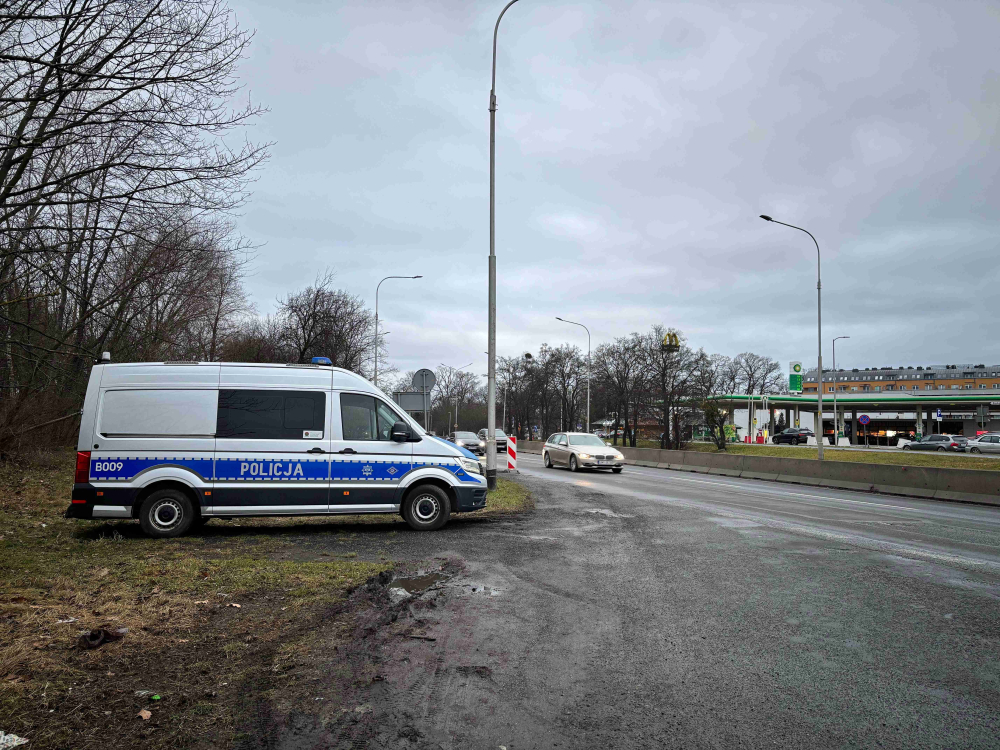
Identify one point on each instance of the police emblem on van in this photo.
(367, 470)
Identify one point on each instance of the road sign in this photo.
(864, 419)
(424, 379)
(939, 414)
(795, 377)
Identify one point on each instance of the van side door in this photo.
(272, 451)
(366, 463)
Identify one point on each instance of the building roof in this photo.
(885, 400)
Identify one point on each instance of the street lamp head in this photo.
(765, 217)
(416, 277)
(558, 318)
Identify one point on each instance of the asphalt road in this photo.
(661, 609)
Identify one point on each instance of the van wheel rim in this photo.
(166, 515)
(426, 508)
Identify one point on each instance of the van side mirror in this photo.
(401, 432)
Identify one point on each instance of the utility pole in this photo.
(491, 388)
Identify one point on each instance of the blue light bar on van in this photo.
(321, 361)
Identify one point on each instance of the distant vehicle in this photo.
(955, 443)
(793, 436)
(470, 441)
(501, 440)
(581, 450)
(988, 443)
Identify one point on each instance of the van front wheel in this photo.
(426, 508)
(166, 513)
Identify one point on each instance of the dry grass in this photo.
(61, 577)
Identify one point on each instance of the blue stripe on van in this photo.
(117, 468)
(374, 470)
(272, 469)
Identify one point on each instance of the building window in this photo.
(955, 387)
(830, 389)
(890, 387)
(854, 388)
(968, 387)
(982, 386)
(928, 387)
(866, 387)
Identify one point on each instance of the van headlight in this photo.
(471, 466)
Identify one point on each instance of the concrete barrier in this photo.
(966, 485)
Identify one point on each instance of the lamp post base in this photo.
(491, 479)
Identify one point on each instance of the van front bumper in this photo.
(470, 498)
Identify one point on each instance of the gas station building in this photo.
(899, 402)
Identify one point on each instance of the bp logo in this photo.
(797, 368)
(367, 470)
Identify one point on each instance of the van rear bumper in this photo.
(470, 498)
(87, 504)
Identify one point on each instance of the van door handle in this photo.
(315, 450)
(347, 450)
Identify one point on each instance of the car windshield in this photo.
(466, 436)
(585, 440)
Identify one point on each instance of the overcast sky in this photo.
(636, 145)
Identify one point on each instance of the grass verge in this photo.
(194, 610)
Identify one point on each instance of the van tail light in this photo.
(82, 467)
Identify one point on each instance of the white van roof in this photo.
(231, 375)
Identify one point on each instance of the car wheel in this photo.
(906, 447)
(941, 449)
(974, 450)
(546, 461)
(795, 441)
(617, 470)
(572, 464)
(166, 513)
(426, 508)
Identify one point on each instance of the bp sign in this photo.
(795, 377)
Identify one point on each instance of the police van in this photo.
(173, 444)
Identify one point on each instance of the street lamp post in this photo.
(491, 400)
(588, 363)
(836, 414)
(819, 338)
(375, 379)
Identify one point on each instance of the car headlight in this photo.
(470, 465)
(619, 457)
(584, 455)
(482, 444)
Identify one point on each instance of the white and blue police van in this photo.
(173, 444)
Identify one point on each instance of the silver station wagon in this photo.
(581, 450)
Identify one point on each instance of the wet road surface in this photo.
(663, 609)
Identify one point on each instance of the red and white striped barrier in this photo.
(511, 453)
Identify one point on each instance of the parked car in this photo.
(581, 450)
(988, 443)
(938, 443)
(470, 441)
(793, 436)
(501, 440)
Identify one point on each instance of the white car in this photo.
(988, 443)
(581, 450)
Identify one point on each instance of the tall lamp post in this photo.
(819, 338)
(571, 322)
(491, 399)
(375, 379)
(836, 414)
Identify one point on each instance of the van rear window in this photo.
(270, 415)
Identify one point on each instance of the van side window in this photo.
(269, 415)
(365, 417)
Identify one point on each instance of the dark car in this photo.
(501, 439)
(938, 443)
(793, 436)
(470, 441)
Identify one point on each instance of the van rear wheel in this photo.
(426, 508)
(166, 513)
